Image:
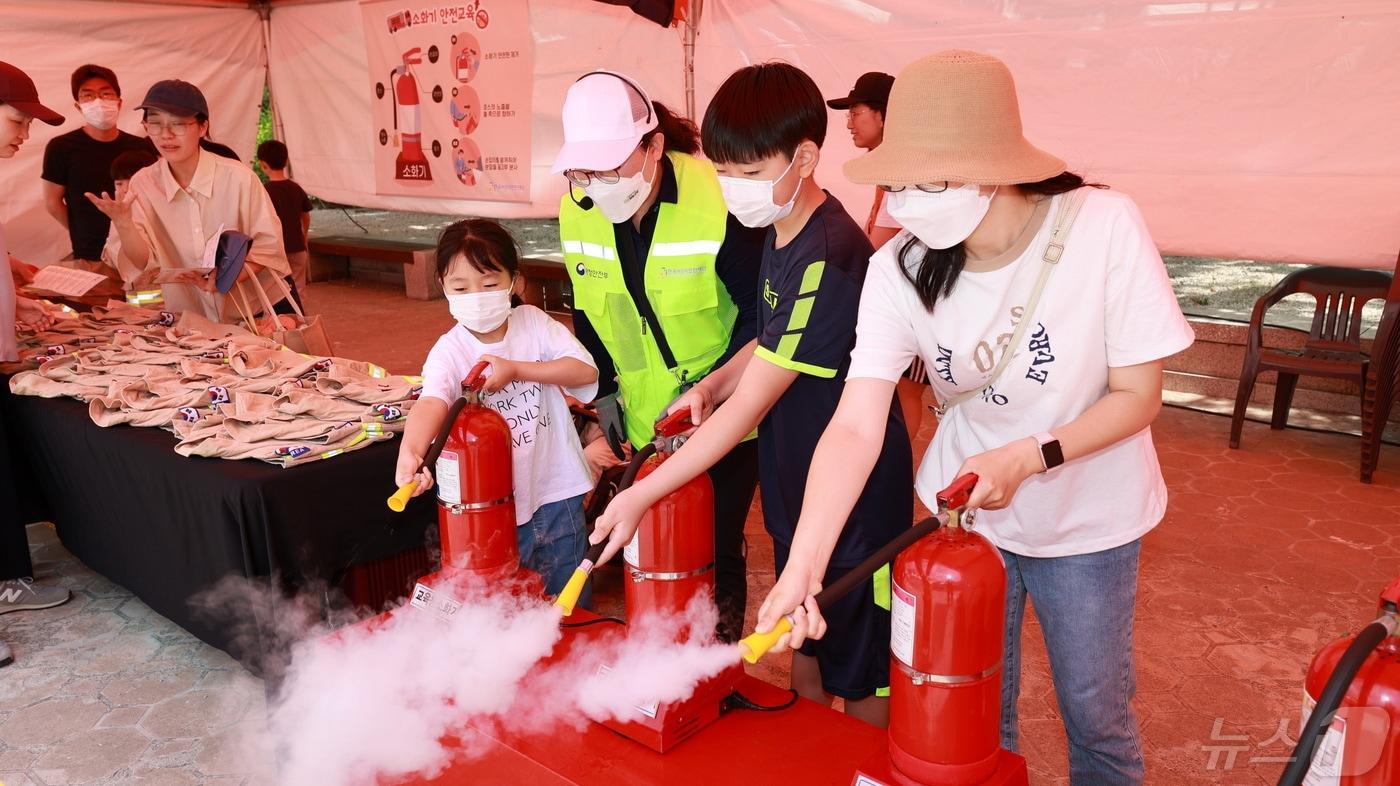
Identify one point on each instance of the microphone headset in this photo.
(587, 202)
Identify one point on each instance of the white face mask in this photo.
(619, 201)
(480, 312)
(751, 201)
(940, 220)
(100, 114)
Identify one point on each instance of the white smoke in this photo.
(374, 701)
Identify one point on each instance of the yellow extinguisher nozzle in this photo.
(568, 597)
(401, 497)
(755, 645)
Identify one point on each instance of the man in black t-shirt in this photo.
(80, 161)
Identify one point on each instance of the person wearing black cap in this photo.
(81, 161)
(19, 105)
(185, 201)
(865, 119)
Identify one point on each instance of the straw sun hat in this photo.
(953, 116)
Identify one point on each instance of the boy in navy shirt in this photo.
(764, 131)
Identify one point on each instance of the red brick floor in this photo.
(1266, 553)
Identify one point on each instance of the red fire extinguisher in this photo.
(946, 631)
(1352, 733)
(947, 607)
(671, 558)
(471, 463)
(411, 163)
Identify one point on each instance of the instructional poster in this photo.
(450, 87)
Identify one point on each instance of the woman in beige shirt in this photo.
(175, 209)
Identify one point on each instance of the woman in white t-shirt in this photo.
(534, 362)
(978, 203)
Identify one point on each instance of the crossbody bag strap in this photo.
(1050, 258)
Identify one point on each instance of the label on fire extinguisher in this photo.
(449, 478)
(632, 552)
(1326, 769)
(902, 607)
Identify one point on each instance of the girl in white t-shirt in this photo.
(1060, 439)
(534, 362)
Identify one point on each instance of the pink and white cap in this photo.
(605, 116)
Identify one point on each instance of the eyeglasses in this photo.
(852, 114)
(583, 177)
(178, 129)
(927, 188)
(105, 95)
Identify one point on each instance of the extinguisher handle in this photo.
(677, 422)
(474, 379)
(755, 645)
(957, 493)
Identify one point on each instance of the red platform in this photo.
(806, 743)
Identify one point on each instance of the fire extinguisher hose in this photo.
(568, 597)
(1348, 665)
(399, 501)
(755, 645)
(473, 382)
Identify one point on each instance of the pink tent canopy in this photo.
(1244, 128)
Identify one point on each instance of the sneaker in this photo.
(24, 594)
(6, 657)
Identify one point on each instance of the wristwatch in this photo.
(1050, 453)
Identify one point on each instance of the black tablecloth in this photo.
(166, 526)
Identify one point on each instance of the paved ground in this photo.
(1266, 552)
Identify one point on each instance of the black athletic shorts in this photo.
(854, 655)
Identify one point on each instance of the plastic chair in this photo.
(1384, 382)
(1333, 346)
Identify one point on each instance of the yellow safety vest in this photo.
(695, 310)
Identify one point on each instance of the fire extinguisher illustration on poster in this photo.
(411, 163)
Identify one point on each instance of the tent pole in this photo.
(692, 25)
(265, 11)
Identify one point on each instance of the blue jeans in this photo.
(1085, 606)
(552, 544)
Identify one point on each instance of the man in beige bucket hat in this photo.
(1043, 312)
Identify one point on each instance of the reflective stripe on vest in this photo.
(695, 310)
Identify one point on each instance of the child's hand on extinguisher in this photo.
(407, 470)
(792, 596)
(1000, 472)
(619, 522)
(503, 372)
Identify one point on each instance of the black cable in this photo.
(737, 701)
(586, 623)
(1345, 671)
(352, 219)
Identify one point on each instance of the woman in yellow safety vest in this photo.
(664, 283)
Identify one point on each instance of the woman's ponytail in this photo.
(678, 133)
